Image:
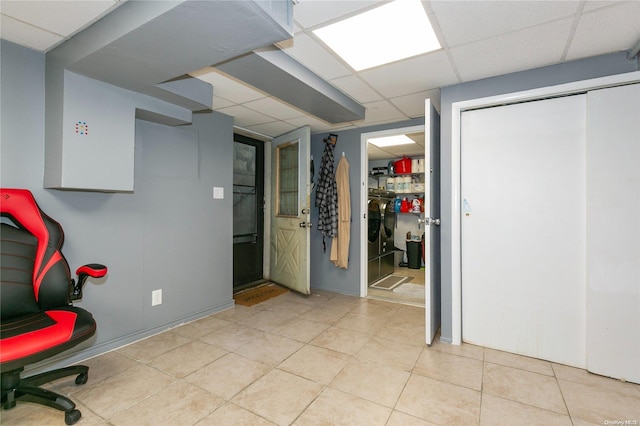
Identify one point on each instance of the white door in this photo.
(432, 220)
(613, 232)
(523, 201)
(290, 211)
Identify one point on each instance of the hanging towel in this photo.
(340, 244)
(326, 195)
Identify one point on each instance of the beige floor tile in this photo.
(364, 324)
(231, 414)
(121, 391)
(578, 375)
(186, 359)
(228, 375)
(403, 331)
(267, 320)
(342, 302)
(286, 305)
(29, 414)
(201, 327)
(439, 402)
(300, 329)
(376, 309)
(449, 368)
(498, 411)
(411, 314)
(314, 363)
(324, 315)
(179, 404)
(401, 419)
(333, 407)
(151, 347)
(465, 349)
(518, 361)
(316, 298)
(269, 349)
(388, 352)
(523, 386)
(231, 337)
(236, 313)
(371, 381)
(597, 405)
(107, 365)
(278, 396)
(341, 340)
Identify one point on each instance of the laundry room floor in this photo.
(410, 292)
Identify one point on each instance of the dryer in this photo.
(380, 226)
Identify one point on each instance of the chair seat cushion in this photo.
(31, 338)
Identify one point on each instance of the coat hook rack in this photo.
(332, 139)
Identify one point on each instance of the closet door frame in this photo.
(456, 208)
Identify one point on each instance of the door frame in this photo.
(364, 178)
(454, 221)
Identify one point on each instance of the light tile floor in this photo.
(328, 359)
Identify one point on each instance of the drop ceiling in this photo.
(479, 39)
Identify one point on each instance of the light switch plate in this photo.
(218, 193)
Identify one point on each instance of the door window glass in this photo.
(287, 179)
(244, 192)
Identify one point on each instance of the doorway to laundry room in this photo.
(395, 216)
(248, 211)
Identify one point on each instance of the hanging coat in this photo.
(326, 196)
(340, 244)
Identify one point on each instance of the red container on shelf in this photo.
(402, 166)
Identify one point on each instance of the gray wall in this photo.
(584, 69)
(324, 274)
(169, 233)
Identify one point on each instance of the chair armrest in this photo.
(94, 270)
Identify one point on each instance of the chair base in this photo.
(15, 388)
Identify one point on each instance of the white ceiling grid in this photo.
(479, 39)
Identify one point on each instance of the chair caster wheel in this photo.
(82, 378)
(72, 417)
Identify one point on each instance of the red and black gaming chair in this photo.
(38, 320)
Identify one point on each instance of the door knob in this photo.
(432, 222)
(306, 225)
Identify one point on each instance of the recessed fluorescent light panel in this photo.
(388, 33)
(391, 141)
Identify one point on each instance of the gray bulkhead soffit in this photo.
(146, 46)
(274, 72)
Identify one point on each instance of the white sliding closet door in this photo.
(613, 232)
(523, 228)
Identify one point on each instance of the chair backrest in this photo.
(34, 274)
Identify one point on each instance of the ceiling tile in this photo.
(424, 72)
(219, 102)
(413, 105)
(312, 55)
(274, 108)
(273, 129)
(26, 35)
(517, 51)
(59, 17)
(227, 87)
(245, 117)
(621, 23)
(316, 125)
(380, 112)
(468, 21)
(310, 13)
(356, 88)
